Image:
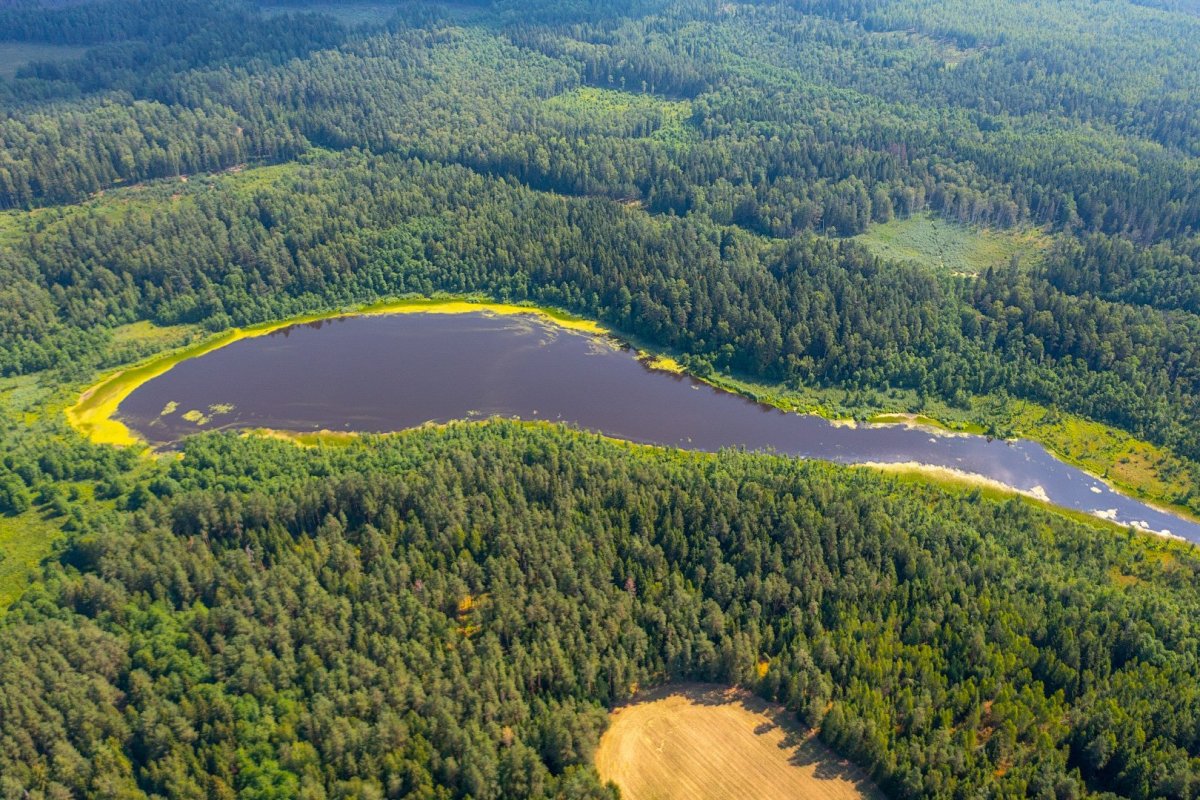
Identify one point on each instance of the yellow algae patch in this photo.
(661, 362)
(94, 414)
(434, 306)
(196, 416)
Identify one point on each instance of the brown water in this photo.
(387, 373)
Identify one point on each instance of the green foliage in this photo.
(15, 55)
(351, 228)
(266, 621)
(14, 498)
(291, 622)
(952, 248)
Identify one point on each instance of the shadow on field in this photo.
(806, 750)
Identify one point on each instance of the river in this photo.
(391, 372)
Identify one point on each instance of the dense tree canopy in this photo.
(445, 614)
(448, 614)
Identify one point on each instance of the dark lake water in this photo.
(387, 373)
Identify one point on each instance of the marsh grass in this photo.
(950, 248)
(14, 55)
(613, 108)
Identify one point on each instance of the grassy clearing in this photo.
(14, 55)
(28, 538)
(25, 541)
(10, 226)
(703, 742)
(950, 248)
(146, 198)
(146, 334)
(139, 340)
(614, 106)
(349, 14)
(248, 181)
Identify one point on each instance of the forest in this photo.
(446, 614)
(451, 612)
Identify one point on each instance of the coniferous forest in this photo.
(452, 612)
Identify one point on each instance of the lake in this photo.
(391, 372)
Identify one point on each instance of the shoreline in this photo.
(1037, 494)
(932, 473)
(93, 413)
(947, 477)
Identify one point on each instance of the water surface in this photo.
(387, 373)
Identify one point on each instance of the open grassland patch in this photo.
(143, 199)
(704, 742)
(951, 248)
(10, 226)
(25, 540)
(141, 339)
(14, 55)
(349, 14)
(611, 108)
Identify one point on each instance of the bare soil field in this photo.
(706, 742)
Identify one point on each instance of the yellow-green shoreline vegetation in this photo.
(921, 421)
(1150, 472)
(94, 413)
(663, 363)
(1136, 467)
(323, 438)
